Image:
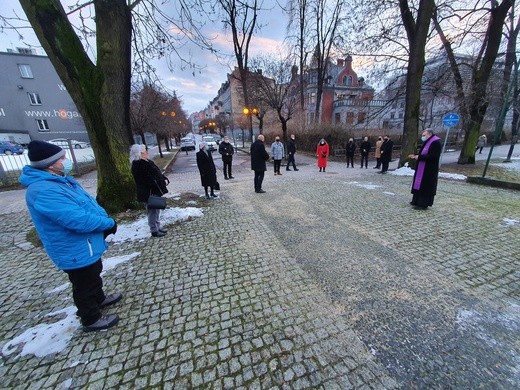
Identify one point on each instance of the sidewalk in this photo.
(325, 281)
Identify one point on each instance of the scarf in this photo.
(419, 173)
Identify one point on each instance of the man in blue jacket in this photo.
(72, 227)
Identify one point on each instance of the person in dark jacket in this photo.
(227, 151)
(424, 185)
(72, 227)
(365, 150)
(386, 153)
(149, 180)
(350, 148)
(258, 158)
(208, 172)
(291, 151)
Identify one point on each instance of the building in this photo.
(34, 104)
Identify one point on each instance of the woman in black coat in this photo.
(208, 172)
(149, 180)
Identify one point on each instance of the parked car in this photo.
(210, 142)
(187, 144)
(217, 138)
(8, 147)
(75, 143)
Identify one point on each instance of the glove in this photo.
(112, 230)
(166, 180)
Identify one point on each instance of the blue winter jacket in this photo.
(68, 220)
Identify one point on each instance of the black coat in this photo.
(258, 156)
(291, 146)
(148, 179)
(386, 150)
(365, 148)
(350, 148)
(428, 185)
(226, 150)
(208, 172)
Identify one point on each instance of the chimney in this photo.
(340, 63)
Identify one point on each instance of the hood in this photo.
(32, 175)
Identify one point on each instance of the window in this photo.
(385, 125)
(392, 115)
(313, 98)
(25, 71)
(337, 117)
(401, 115)
(350, 117)
(42, 125)
(34, 98)
(349, 81)
(361, 117)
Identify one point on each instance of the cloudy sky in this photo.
(197, 88)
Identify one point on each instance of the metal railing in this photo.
(11, 165)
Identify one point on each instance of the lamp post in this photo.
(250, 112)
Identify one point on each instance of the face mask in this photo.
(67, 166)
(322, 143)
(423, 138)
(277, 140)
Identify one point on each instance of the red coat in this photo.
(322, 151)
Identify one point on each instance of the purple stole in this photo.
(419, 173)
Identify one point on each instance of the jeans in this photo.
(87, 291)
(259, 178)
(290, 161)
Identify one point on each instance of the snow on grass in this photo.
(510, 222)
(368, 186)
(139, 230)
(407, 171)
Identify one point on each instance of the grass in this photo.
(494, 171)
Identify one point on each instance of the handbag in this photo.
(217, 186)
(156, 202)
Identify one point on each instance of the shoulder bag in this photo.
(156, 202)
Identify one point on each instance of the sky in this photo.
(195, 90)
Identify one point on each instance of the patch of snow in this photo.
(112, 262)
(368, 186)
(45, 339)
(139, 230)
(510, 222)
(58, 289)
(453, 176)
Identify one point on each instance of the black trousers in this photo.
(350, 159)
(290, 161)
(277, 165)
(87, 291)
(227, 168)
(259, 178)
(364, 158)
(385, 164)
(378, 162)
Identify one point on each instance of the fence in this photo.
(11, 165)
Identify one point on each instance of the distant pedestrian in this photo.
(365, 150)
(72, 227)
(386, 153)
(207, 170)
(149, 180)
(424, 185)
(482, 141)
(226, 150)
(291, 151)
(350, 148)
(278, 153)
(322, 152)
(259, 156)
(377, 153)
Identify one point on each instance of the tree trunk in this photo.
(417, 32)
(101, 92)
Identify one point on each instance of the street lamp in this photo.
(250, 112)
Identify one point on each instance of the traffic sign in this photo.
(450, 120)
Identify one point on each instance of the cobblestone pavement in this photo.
(328, 280)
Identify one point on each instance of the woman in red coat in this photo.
(322, 151)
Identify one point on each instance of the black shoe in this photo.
(104, 322)
(214, 196)
(207, 197)
(226, 178)
(287, 169)
(231, 177)
(296, 169)
(260, 192)
(163, 230)
(158, 234)
(110, 299)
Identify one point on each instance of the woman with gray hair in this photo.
(149, 180)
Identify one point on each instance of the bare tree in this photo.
(474, 103)
(100, 88)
